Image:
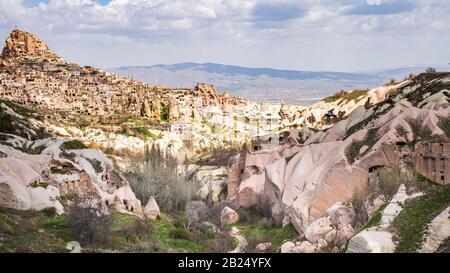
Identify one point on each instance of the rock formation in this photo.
(173, 111)
(34, 174)
(151, 210)
(438, 231)
(156, 108)
(301, 182)
(228, 216)
(208, 94)
(22, 46)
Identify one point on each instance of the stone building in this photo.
(432, 161)
(264, 143)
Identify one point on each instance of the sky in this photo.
(333, 35)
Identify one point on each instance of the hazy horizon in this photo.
(363, 71)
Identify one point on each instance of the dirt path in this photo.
(242, 242)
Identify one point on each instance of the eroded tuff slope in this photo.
(38, 170)
(310, 179)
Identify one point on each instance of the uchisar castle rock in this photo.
(360, 171)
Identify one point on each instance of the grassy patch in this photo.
(263, 234)
(375, 219)
(346, 96)
(422, 132)
(19, 109)
(63, 199)
(427, 84)
(120, 220)
(140, 132)
(353, 149)
(144, 131)
(26, 231)
(410, 225)
(285, 233)
(358, 126)
(170, 236)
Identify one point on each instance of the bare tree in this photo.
(89, 223)
(223, 243)
(195, 212)
(388, 182)
(430, 70)
(139, 229)
(158, 177)
(358, 200)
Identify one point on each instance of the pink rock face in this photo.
(318, 229)
(305, 247)
(341, 214)
(303, 181)
(250, 190)
(17, 190)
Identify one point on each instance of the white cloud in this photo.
(374, 2)
(235, 31)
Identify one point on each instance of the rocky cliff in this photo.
(22, 46)
(310, 176)
(39, 170)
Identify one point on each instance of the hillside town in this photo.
(33, 76)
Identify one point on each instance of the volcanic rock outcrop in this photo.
(35, 173)
(23, 46)
(299, 183)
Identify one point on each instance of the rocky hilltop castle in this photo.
(32, 75)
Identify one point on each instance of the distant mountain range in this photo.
(296, 87)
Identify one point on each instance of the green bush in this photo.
(49, 212)
(63, 199)
(179, 233)
(97, 165)
(427, 85)
(165, 113)
(5, 123)
(353, 149)
(421, 132)
(444, 124)
(73, 145)
(109, 150)
(411, 224)
(250, 215)
(57, 170)
(37, 184)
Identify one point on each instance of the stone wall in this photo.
(432, 161)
